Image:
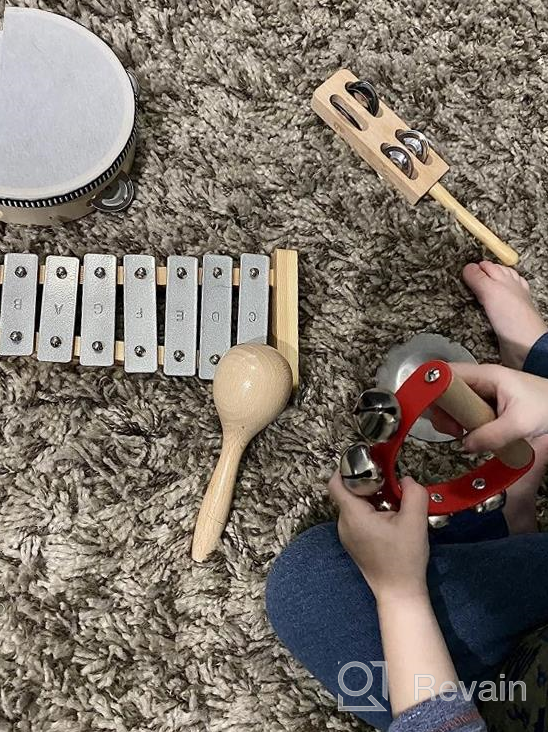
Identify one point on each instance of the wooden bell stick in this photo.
(369, 133)
(251, 387)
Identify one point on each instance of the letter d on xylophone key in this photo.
(216, 324)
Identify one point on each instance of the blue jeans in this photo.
(487, 589)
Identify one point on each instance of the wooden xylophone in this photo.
(76, 308)
(401, 156)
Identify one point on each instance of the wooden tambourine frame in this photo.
(434, 383)
(37, 39)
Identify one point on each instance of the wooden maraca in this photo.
(251, 388)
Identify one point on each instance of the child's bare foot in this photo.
(508, 305)
(520, 509)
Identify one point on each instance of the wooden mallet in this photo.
(251, 388)
(399, 155)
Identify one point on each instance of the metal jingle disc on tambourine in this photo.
(67, 121)
(403, 360)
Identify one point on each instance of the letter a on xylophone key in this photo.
(58, 316)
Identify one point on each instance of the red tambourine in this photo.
(435, 383)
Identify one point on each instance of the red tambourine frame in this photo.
(466, 491)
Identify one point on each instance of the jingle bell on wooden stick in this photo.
(401, 156)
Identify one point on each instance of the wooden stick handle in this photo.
(503, 251)
(216, 503)
(471, 412)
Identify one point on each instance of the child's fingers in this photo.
(344, 498)
(494, 435)
(484, 379)
(414, 502)
(444, 423)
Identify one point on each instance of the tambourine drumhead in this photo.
(403, 360)
(67, 109)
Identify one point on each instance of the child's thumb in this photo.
(415, 499)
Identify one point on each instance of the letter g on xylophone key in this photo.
(98, 310)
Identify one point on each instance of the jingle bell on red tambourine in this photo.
(368, 468)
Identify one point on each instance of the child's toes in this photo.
(496, 271)
(476, 279)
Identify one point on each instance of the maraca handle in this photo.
(215, 508)
(471, 412)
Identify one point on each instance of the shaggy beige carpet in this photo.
(105, 622)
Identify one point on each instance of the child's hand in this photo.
(391, 549)
(520, 400)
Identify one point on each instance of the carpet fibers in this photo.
(106, 624)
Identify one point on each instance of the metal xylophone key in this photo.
(18, 308)
(183, 351)
(97, 334)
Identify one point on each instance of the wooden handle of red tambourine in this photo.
(471, 412)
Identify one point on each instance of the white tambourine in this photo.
(67, 121)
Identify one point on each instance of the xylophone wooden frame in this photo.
(284, 301)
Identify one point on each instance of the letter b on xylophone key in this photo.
(18, 309)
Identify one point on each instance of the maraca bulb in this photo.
(378, 415)
(251, 388)
(359, 472)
